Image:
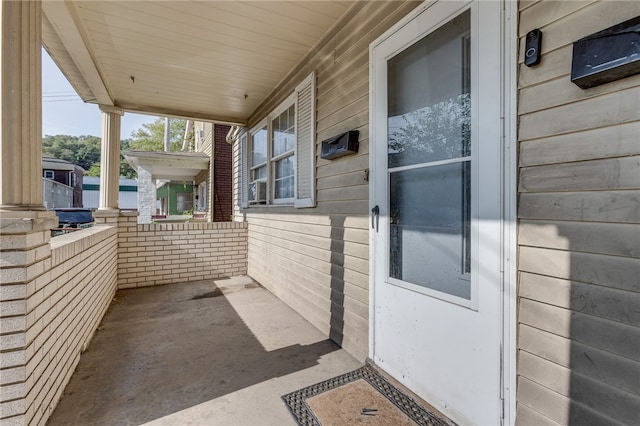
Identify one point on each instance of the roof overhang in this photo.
(51, 163)
(172, 166)
(212, 61)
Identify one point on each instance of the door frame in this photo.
(508, 69)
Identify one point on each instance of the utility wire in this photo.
(60, 96)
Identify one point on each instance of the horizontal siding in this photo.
(601, 238)
(611, 173)
(588, 206)
(606, 142)
(594, 394)
(559, 408)
(578, 233)
(607, 110)
(579, 358)
(605, 302)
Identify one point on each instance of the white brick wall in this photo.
(155, 254)
(49, 316)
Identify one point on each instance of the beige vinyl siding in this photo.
(578, 233)
(316, 259)
(206, 143)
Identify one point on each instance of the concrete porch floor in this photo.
(208, 353)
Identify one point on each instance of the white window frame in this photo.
(271, 177)
(302, 99)
(264, 124)
(201, 205)
(49, 174)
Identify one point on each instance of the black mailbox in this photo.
(607, 55)
(338, 146)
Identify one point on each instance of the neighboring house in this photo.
(65, 173)
(127, 192)
(197, 181)
(156, 170)
(174, 198)
(479, 243)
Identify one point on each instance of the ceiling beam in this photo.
(64, 20)
(188, 115)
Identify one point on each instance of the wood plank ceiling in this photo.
(211, 60)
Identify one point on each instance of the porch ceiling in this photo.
(210, 60)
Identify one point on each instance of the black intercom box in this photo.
(607, 55)
(338, 146)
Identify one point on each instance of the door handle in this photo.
(375, 217)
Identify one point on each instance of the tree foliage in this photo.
(150, 137)
(85, 150)
(125, 168)
(81, 150)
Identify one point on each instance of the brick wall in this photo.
(49, 316)
(222, 170)
(169, 253)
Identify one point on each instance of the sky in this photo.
(64, 113)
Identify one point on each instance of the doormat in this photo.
(360, 397)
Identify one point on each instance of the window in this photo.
(259, 155)
(48, 174)
(283, 155)
(278, 155)
(202, 196)
(184, 202)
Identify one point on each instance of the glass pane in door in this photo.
(429, 163)
(429, 105)
(429, 228)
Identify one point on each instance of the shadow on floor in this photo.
(160, 350)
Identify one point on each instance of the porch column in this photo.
(25, 256)
(21, 106)
(146, 194)
(110, 158)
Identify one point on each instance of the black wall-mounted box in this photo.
(338, 146)
(607, 55)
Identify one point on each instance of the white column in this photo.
(21, 106)
(110, 157)
(24, 225)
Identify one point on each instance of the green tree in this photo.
(81, 150)
(150, 137)
(94, 170)
(125, 168)
(85, 150)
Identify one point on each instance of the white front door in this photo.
(437, 185)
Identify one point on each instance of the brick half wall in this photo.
(49, 321)
(168, 253)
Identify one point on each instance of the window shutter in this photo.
(244, 172)
(305, 142)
